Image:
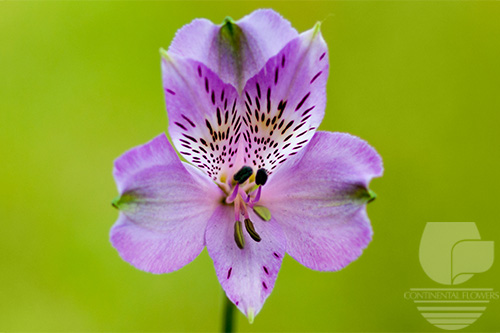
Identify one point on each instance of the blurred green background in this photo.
(80, 83)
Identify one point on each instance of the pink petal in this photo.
(258, 37)
(285, 102)
(203, 116)
(247, 275)
(164, 208)
(319, 200)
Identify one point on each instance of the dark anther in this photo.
(242, 176)
(238, 235)
(261, 177)
(251, 230)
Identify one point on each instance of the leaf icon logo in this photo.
(452, 252)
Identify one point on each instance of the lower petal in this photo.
(319, 200)
(247, 275)
(164, 208)
(157, 252)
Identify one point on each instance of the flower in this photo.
(244, 100)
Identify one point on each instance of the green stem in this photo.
(228, 319)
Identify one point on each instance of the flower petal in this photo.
(235, 51)
(285, 102)
(247, 275)
(319, 200)
(164, 208)
(203, 117)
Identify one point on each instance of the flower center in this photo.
(244, 192)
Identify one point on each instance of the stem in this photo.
(228, 319)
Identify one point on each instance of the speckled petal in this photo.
(204, 121)
(247, 275)
(319, 199)
(285, 102)
(164, 208)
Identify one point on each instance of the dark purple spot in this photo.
(206, 85)
(213, 97)
(268, 100)
(264, 285)
(209, 126)
(276, 255)
(222, 95)
(190, 137)
(188, 120)
(287, 127)
(322, 56)
(248, 98)
(265, 270)
(219, 119)
(234, 106)
(170, 91)
(302, 101)
(283, 61)
(307, 111)
(315, 77)
(199, 71)
(229, 272)
(298, 126)
(276, 76)
(181, 126)
(258, 89)
(248, 107)
(281, 123)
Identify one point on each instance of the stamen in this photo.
(257, 196)
(243, 174)
(251, 230)
(238, 235)
(233, 195)
(261, 177)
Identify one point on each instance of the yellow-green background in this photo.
(80, 83)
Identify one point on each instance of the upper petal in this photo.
(203, 115)
(234, 50)
(164, 208)
(247, 275)
(285, 102)
(319, 200)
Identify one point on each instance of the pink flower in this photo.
(244, 100)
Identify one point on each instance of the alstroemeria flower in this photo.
(244, 100)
